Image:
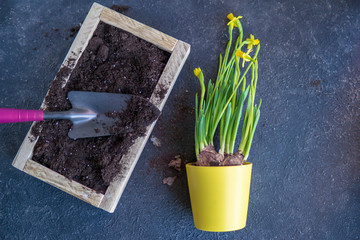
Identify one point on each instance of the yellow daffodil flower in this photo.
(245, 56)
(197, 71)
(252, 41)
(233, 20)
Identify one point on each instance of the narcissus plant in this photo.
(221, 103)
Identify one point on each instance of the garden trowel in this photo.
(90, 114)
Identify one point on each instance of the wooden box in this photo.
(179, 52)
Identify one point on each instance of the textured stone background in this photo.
(306, 156)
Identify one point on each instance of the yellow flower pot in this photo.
(219, 196)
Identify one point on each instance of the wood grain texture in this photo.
(76, 189)
(161, 40)
(25, 151)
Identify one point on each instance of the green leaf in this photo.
(237, 118)
(226, 121)
(249, 143)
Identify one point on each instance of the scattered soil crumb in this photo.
(155, 141)
(161, 92)
(315, 83)
(74, 30)
(169, 180)
(32, 138)
(173, 164)
(176, 163)
(119, 9)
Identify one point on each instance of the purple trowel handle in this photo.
(10, 115)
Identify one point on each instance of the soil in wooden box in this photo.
(114, 61)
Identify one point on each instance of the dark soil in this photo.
(114, 61)
(161, 94)
(138, 114)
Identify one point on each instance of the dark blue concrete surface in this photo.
(306, 173)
